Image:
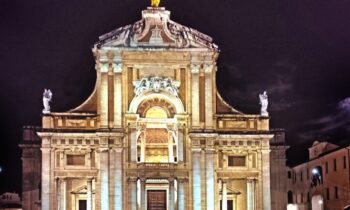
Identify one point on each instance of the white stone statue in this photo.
(264, 103)
(47, 97)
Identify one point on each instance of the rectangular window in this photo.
(76, 160)
(307, 173)
(336, 192)
(301, 176)
(289, 174)
(344, 162)
(335, 164)
(236, 161)
(327, 193)
(326, 167)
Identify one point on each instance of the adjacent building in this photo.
(323, 181)
(155, 133)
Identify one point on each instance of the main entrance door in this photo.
(156, 200)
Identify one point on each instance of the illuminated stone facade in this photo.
(322, 182)
(155, 133)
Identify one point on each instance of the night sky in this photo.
(299, 51)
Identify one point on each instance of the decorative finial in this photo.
(155, 3)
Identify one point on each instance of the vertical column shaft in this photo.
(265, 158)
(58, 193)
(118, 179)
(45, 178)
(143, 194)
(104, 179)
(195, 95)
(210, 182)
(117, 68)
(89, 195)
(171, 195)
(104, 100)
(224, 196)
(208, 96)
(181, 203)
(250, 194)
(132, 193)
(133, 146)
(180, 145)
(196, 179)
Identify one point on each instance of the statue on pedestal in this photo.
(47, 97)
(264, 103)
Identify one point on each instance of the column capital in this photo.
(182, 179)
(132, 179)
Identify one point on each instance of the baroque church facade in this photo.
(155, 133)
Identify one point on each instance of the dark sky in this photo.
(299, 51)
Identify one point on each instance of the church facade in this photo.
(155, 133)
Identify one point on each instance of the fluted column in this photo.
(45, 178)
(104, 179)
(143, 193)
(181, 193)
(118, 179)
(180, 146)
(250, 194)
(196, 179)
(224, 195)
(171, 194)
(195, 94)
(89, 194)
(132, 193)
(265, 158)
(209, 177)
(133, 146)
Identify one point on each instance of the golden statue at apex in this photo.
(155, 3)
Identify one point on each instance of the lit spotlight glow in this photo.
(314, 171)
(320, 202)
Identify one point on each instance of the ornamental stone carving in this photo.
(156, 84)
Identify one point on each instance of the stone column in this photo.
(181, 194)
(133, 146)
(208, 95)
(89, 194)
(210, 179)
(171, 194)
(117, 69)
(180, 146)
(265, 158)
(58, 193)
(196, 179)
(170, 148)
(45, 178)
(143, 193)
(103, 101)
(132, 193)
(104, 179)
(224, 196)
(250, 194)
(195, 94)
(63, 194)
(143, 149)
(118, 179)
